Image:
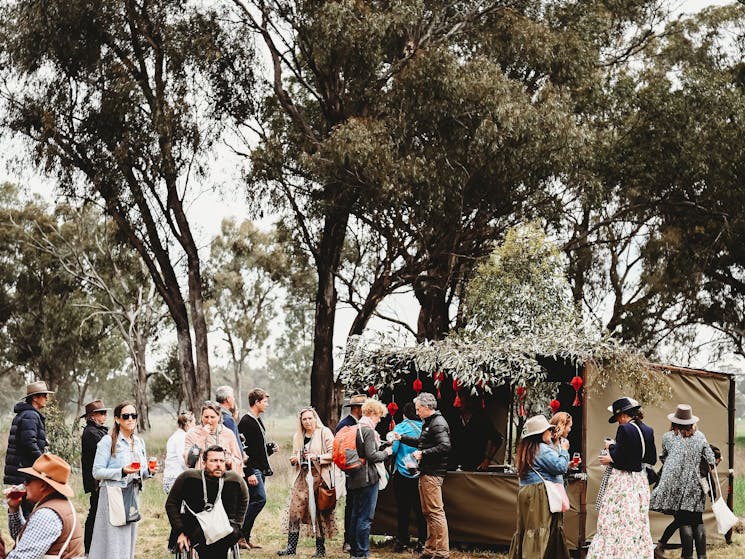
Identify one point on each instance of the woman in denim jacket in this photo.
(537, 461)
(121, 460)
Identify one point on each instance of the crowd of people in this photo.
(214, 476)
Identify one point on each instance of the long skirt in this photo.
(623, 519)
(111, 542)
(539, 533)
(298, 512)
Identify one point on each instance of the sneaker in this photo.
(346, 548)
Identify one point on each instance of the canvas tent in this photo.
(481, 505)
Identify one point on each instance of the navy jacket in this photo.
(92, 433)
(229, 422)
(346, 421)
(26, 442)
(627, 452)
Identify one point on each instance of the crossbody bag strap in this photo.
(204, 489)
(641, 436)
(72, 530)
(539, 475)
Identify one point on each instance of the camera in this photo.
(268, 472)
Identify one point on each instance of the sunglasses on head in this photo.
(128, 416)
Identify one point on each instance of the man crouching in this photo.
(206, 491)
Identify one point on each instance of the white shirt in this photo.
(175, 454)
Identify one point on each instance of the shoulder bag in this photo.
(558, 500)
(213, 519)
(124, 503)
(652, 476)
(726, 519)
(326, 494)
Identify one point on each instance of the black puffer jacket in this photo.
(26, 442)
(434, 443)
(92, 433)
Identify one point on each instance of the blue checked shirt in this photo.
(42, 530)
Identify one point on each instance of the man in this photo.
(95, 417)
(28, 434)
(433, 448)
(475, 441)
(355, 413)
(52, 527)
(189, 489)
(257, 464)
(226, 398)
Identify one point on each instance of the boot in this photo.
(292, 538)
(686, 541)
(699, 536)
(320, 548)
(659, 551)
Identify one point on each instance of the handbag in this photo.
(327, 495)
(383, 475)
(726, 519)
(558, 500)
(213, 519)
(652, 476)
(124, 505)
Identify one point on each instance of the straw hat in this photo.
(536, 425)
(39, 387)
(683, 415)
(51, 469)
(93, 407)
(356, 400)
(622, 405)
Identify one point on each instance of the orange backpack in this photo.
(345, 453)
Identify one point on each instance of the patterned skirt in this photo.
(298, 512)
(623, 520)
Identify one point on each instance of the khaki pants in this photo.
(430, 492)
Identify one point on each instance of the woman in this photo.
(537, 461)
(623, 518)
(211, 432)
(175, 450)
(362, 482)
(679, 491)
(562, 423)
(312, 448)
(120, 465)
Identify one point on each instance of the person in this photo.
(406, 482)
(363, 482)
(562, 423)
(94, 430)
(51, 528)
(539, 533)
(120, 465)
(433, 448)
(194, 489)
(475, 441)
(257, 467)
(623, 519)
(311, 459)
(355, 413)
(175, 446)
(211, 432)
(27, 439)
(225, 396)
(679, 491)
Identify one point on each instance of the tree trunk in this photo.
(202, 387)
(434, 317)
(141, 400)
(237, 385)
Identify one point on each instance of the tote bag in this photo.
(558, 500)
(726, 519)
(213, 519)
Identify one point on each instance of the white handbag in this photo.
(558, 500)
(213, 519)
(726, 519)
(383, 475)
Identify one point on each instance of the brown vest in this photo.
(61, 506)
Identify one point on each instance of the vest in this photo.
(61, 506)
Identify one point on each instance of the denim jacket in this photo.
(549, 463)
(108, 468)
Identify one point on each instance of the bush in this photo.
(63, 439)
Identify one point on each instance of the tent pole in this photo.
(731, 449)
(582, 520)
(510, 419)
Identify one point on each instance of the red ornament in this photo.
(371, 390)
(555, 405)
(577, 385)
(392, 409)
(417, 385)
(457, 403)
(456, 384)
(520, 391)
(439, 377)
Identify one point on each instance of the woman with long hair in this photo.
(211, 432)
(174, 463)
(311, 459)
(562, 423)
(623, 515)
(120, 465)
(539, 533)
(679, 491)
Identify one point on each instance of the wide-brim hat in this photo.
(536, 425)
(622, 405)
(53, 470)
(356, 400)
(39, 387)
(683, 415)
(93, 407)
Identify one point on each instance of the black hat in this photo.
(622, 405)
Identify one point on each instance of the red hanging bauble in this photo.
(392, 409)
(577, 385)
(555, 405)
(456, 384)
(457, 403)
(439, 377)
(520, 391)
(417, 385)
(371, 390)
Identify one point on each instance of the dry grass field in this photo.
(153, 529)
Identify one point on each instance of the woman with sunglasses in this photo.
(211, 432)
(120, 465)
(312, 447)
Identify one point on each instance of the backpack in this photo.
(345, 453)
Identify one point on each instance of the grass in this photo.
(269, 531)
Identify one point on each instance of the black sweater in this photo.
(434, 443)
(92, 433)
(256, 444)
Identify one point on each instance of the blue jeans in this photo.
(256, 502)
(363, 500)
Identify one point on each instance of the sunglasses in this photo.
(128, 416)
(28, 479)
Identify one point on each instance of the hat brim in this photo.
(613, 418)
(678, 421)
(36, 394)
(94, 411)
(540, 432)
(352, 404)
(63, 488)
